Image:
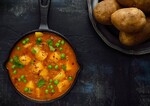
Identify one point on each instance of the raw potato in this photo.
(137, 38)
(128, 20)
(104, 9)
(141, 4)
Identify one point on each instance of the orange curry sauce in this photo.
(42, 66)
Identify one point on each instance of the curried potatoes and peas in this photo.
(42, 66)
(130, 17)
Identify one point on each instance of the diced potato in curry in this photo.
(27, 45)
(37, 48)
(60, 76)
(55, 57)
(37, 67)
(42, 68)
(63, 85)
(41, 55)
(38, 34)
(68, 65)
(25, 59)
(44, 74)
(30, 85)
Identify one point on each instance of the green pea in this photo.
(18, 48)
(57, 44)
(63, 56)
(62, 42)
(15, 72)
(19, 79)
(24, 80)
(50, 80)
(11, 60)
(13, 66)
(50, 42)
(51, 86)
(64, 67)
(22, 77)
(26, 89)
(56, 82)
(60, 48)
(53, 91)
(46, 91)
(24, 42)
(50, 67)
(27, 40)
(56, 67)
(48, 86)
(33, 51)
(39, 39)
(70, 78)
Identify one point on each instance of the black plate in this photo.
(109, 34)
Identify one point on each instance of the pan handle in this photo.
(44, 6)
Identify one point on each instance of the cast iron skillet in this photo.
(109, 35)
(43, 28)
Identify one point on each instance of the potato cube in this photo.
(27, 45)
(68, 65)
(30, 85)
(60, 76)
(63, 85)
(41, 55)
(38, 34)
(37, 67)
(44, 73)
(37, 48)
(25, 59)
(55, 57)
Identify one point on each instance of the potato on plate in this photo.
(136, 38)
(104, 9)
(128, 20)
(141, 4)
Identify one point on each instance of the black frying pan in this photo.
(44, 6)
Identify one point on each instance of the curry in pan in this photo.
(42, 66)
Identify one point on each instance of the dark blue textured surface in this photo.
(108, 78)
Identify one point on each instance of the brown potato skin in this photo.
(103, 10)
(136, 38)
(141, 4)
(126, 3)
(128, 20)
